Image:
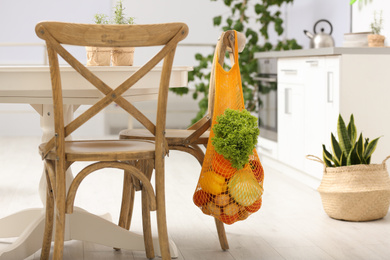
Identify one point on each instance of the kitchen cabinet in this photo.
(321, 107)
(290, 121)
(290, 114)
(314, 87)
(306, 108)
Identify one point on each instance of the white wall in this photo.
(363, 15)
(18, 26)
(145, 11)
(303, 14)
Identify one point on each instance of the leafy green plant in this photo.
(100, 19)
(236, 135)
(240, 18)
(349, 150)
(119, 16)
(377, 24)
(353, 1)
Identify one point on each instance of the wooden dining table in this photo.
(31, 85)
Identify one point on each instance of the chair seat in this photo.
(106, 150)
(173, 136)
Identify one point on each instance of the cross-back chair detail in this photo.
(112, 95)
(136, 158)
(189, 140)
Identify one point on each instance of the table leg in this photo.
(28, 226)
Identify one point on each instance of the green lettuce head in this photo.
(236, 135)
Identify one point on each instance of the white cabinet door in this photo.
(332, 106)
(315, 112)
(290, 124)
(307, 109)
(321, 83)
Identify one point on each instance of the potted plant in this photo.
(353, 1)
(231, 187)
(122, 56)
(351, 188)
(376, 39)
(99, 56)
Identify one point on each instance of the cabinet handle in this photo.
(312, 62)
(287, 101)
(330, 88)
(264, 79)
(289, 71)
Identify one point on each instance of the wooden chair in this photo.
(136, 157)
(189, 140)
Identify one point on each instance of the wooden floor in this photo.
(290, 225)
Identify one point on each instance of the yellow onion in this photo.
(244, 188)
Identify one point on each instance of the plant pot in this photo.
(122, 56)
(376, 40)
(357, 192)
(98, 56)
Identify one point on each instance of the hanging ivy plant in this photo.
(239, 20)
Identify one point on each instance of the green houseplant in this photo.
(243, 14)
(121, 56)
(352, 188)
(353, 1)
(99, 56)
(376, 39)
(349, 150)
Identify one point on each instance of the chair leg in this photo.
(48, 233)
(146, 225)
(221, 234)
(130, 211)
(60, 204)
(161, 213)
(147, 168)
(127, 198)
(127, 206)
(162, 229)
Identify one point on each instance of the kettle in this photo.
(321, 39)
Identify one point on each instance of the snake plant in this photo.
(350, 149)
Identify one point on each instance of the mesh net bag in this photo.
(227, 193)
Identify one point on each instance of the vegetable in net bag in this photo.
(230, 185)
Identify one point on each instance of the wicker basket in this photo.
(357, 192)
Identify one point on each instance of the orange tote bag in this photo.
(224, 192)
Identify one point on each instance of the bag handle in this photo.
(235, 47)
(384, 161)
(315, 158)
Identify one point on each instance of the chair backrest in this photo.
(58, 33)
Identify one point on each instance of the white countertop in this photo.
(324, 52)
